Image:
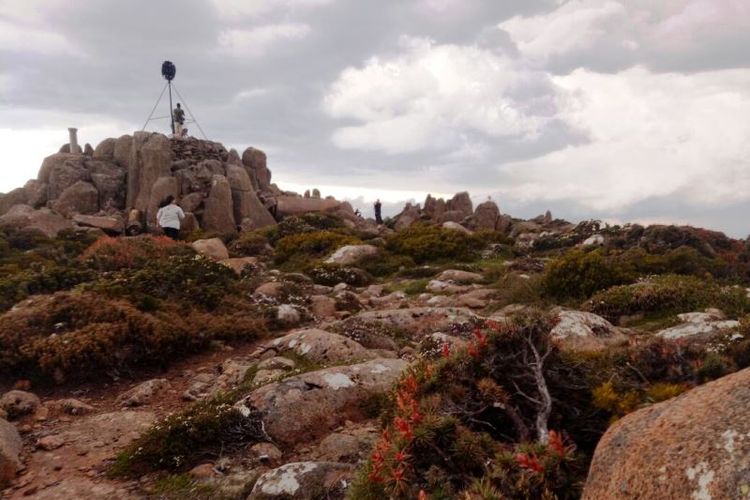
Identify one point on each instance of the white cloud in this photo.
(27, 39)
(258, 41)
(234, 10)
(429, 97)
(576, 24)
(651, 135)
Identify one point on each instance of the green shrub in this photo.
(297, 250)
(40, 279)
(578, 274)
(425, 243)
(386, 264)
(181, 440)
(668, 294)
(192, 279)
(250, 243)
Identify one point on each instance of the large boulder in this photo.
(352, 254)
(80, 198)
(433, 208)
(255, 162)
(694, 446)
(218, 215)
(10, 449)
(18, 196)
(150, 158)
(105, 150)
(303, 481)
(294, 205)
(461, 202)
(319, 346)
(109, 179)
(306, 407)
(122, 150)
(42, 220)
(248, 209)
(36, 193)
(65, 174)
(486, 215)
(54, 161)
(212, 247)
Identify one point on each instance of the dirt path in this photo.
(88, 443)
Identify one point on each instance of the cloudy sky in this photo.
(629, 110)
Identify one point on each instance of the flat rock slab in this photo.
(584, 331)
(418, 321)
(309, 406)
(319, 346)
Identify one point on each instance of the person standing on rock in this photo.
(378, 213)
(169, 217)
(179, 120)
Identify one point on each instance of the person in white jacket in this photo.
(169, 217)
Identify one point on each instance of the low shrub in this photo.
(250, 243)
(386, 264)
(579, 273)
(41, 279)
(332, 275)
(297, 250)
(113, 254)
(668, 294)
(78, 336)
(192, 279)
(426, 243)
(203, 431)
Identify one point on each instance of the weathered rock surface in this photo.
(219, 212)
(19, 403)
(699, 326)
(291, 205)
(693, 446)
(79, 198)
(303, 481)
(10, 449)
(457, 276)
(112, 225)
(308, 406)
(143, 393)
(42, 220)
(239, 264)
(319, 346)
(417, 321)
(486, 215)
(352, 254)
(212, 247)
(584, 331)
(248, 209)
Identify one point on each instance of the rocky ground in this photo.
(289, 349)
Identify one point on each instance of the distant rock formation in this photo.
(120, 183)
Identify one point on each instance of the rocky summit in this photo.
(284, 347)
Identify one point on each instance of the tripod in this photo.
(191, 119)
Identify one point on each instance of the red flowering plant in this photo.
(471, 415)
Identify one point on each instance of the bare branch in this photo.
(545, 407)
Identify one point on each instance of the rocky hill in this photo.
(286, 348)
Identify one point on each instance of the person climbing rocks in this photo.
(179, 120)
(378, 213)
(169, 217)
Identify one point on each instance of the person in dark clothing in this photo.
(378, 213)
(179, 120)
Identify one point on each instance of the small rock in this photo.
(19, 403)
(69, 406)
(462, 277)
(277, 363)
(213, 248)
(287, 315)
(49, 443)
(202, 471)
(271, 289)
(265, 452)
(303, 481)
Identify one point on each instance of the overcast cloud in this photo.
(617, 109)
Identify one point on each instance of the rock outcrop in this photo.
(693, 446)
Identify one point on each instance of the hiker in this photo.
(378, 214)
(169, 217)
(179, 120)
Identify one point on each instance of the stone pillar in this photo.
(73, 132)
